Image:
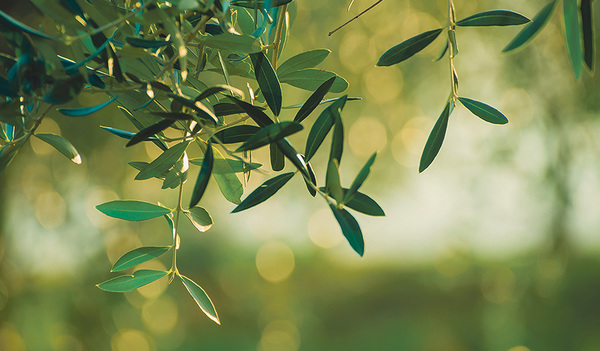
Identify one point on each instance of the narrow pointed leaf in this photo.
(227, 41)
(84, 111)
(126, 283)
(250, 4)
(443, 52)
(308, 59)
(201, 110)
(132, 210)
(163, 162)
(226, 109)
(360, 179)
(527, 33)
(270, 134)
(436, 138)
(236, 134)
(200, 218)
(294, 156)
(174, 116)
(147, 44)
(217, 89)
(137, 256)
(62, 145)
(148, 132)
(267, 81)
(589, 51)
(313, 179)
(277, 158)
(311, 78)
(203, 176)
(364, 204)
(322, 126)
(408, 48)
(350, 229)
(225, 166)
(483, 111)
(494, 18)
(573, 35)
(224, 173)
(337, 141)
(314, 100)
(122, 133)
(254, 112)
(332, 181)
(264, 192)
(201, 298)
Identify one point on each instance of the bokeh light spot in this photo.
(322, 230)
(275, 261)
(131, 339)
(280, 335)
(50, 209)
(383, 85)
(42, 148)
(160, 315)
(366, 136)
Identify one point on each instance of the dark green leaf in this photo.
(527, 33)
(5, 88)
(226, 109)
(122, 133)
(200, 218)
(311, 79)
(126, 283)
(217, 89)
(254, 112)
(573, 35)
(62, 145)
(308, 59)
(163, 162)
(267, 81)
(494, 18)
(350, 229)
(203, 176)
(201, 298)
(313, 179)
(314, 100)
(145, 133)
(322, 126)
(360, 179)
(443, 52)
(291, 154)
(64, 90)
(364, 204)
(337, 141)
(236, 134)
(483, 111)
(264, 192)
(408, 48)
(277, 158)
(225, 166)
(137, 256)
(589, 51)
(270, 134)
(202, 111)
(250, 4)
(147, 44)
(84, 111)
(436, 138)
(132, 210)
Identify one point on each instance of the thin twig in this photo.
(355, 17)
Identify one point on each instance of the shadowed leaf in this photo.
(483, 111)
(203, 176)
(436, 138)
(267, 81)
(264, 192)
(270, 134)
(408, 48)
(494, 18)
(527, 33)
(314, 100)
(350, 229)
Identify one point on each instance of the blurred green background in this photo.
(494, 247)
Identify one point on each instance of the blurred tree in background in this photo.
(493, 247)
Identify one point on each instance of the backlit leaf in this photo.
(201, 298)
(350, 229)
(267, 81)
(203, 176)
(163, 162)
(483, 111)
(573, 35)
(132, 210)
(62, 145)
(126, 283)
(408, 48)
(200, 218)
(311, 79)
(264, 192)
(232, 42)
(236, 134)
(308, 59)
(332, 181)
(494, 18)
(250, 4)
(84, 111)
(436, 138)
(270, 134)
(224, 174)
(530, 30)
(137, 256)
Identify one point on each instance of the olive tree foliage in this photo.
(149, 58)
